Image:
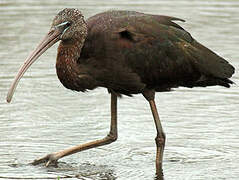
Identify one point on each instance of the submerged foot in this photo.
(48, 159)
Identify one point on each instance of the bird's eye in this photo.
(64, 24)
(68, 24)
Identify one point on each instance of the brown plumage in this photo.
(128, 53)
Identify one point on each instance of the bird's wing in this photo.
(172, 52)
(139, 50)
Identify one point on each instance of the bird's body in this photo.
(128, 53)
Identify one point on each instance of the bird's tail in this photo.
(214, 69)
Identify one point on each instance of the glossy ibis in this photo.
(128, 53)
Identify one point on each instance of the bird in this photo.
(128, 53)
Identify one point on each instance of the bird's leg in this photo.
(111, 137)
(160, 138)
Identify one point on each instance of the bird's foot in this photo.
(48, 159)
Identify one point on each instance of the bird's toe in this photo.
(48, 159)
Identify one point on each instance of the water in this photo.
(201, 124)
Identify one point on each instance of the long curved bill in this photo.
(51, 38)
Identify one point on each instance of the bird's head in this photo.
(68, 25)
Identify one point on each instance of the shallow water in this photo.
(201, 124)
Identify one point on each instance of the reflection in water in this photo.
(159, 176)
(65, 170)
(96, 172)
(201, 124)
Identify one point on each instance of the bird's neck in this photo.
(66, 64)
(70, 49)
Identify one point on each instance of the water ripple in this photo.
(201, 123)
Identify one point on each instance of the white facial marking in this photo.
(62, 24)
(65, 31)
